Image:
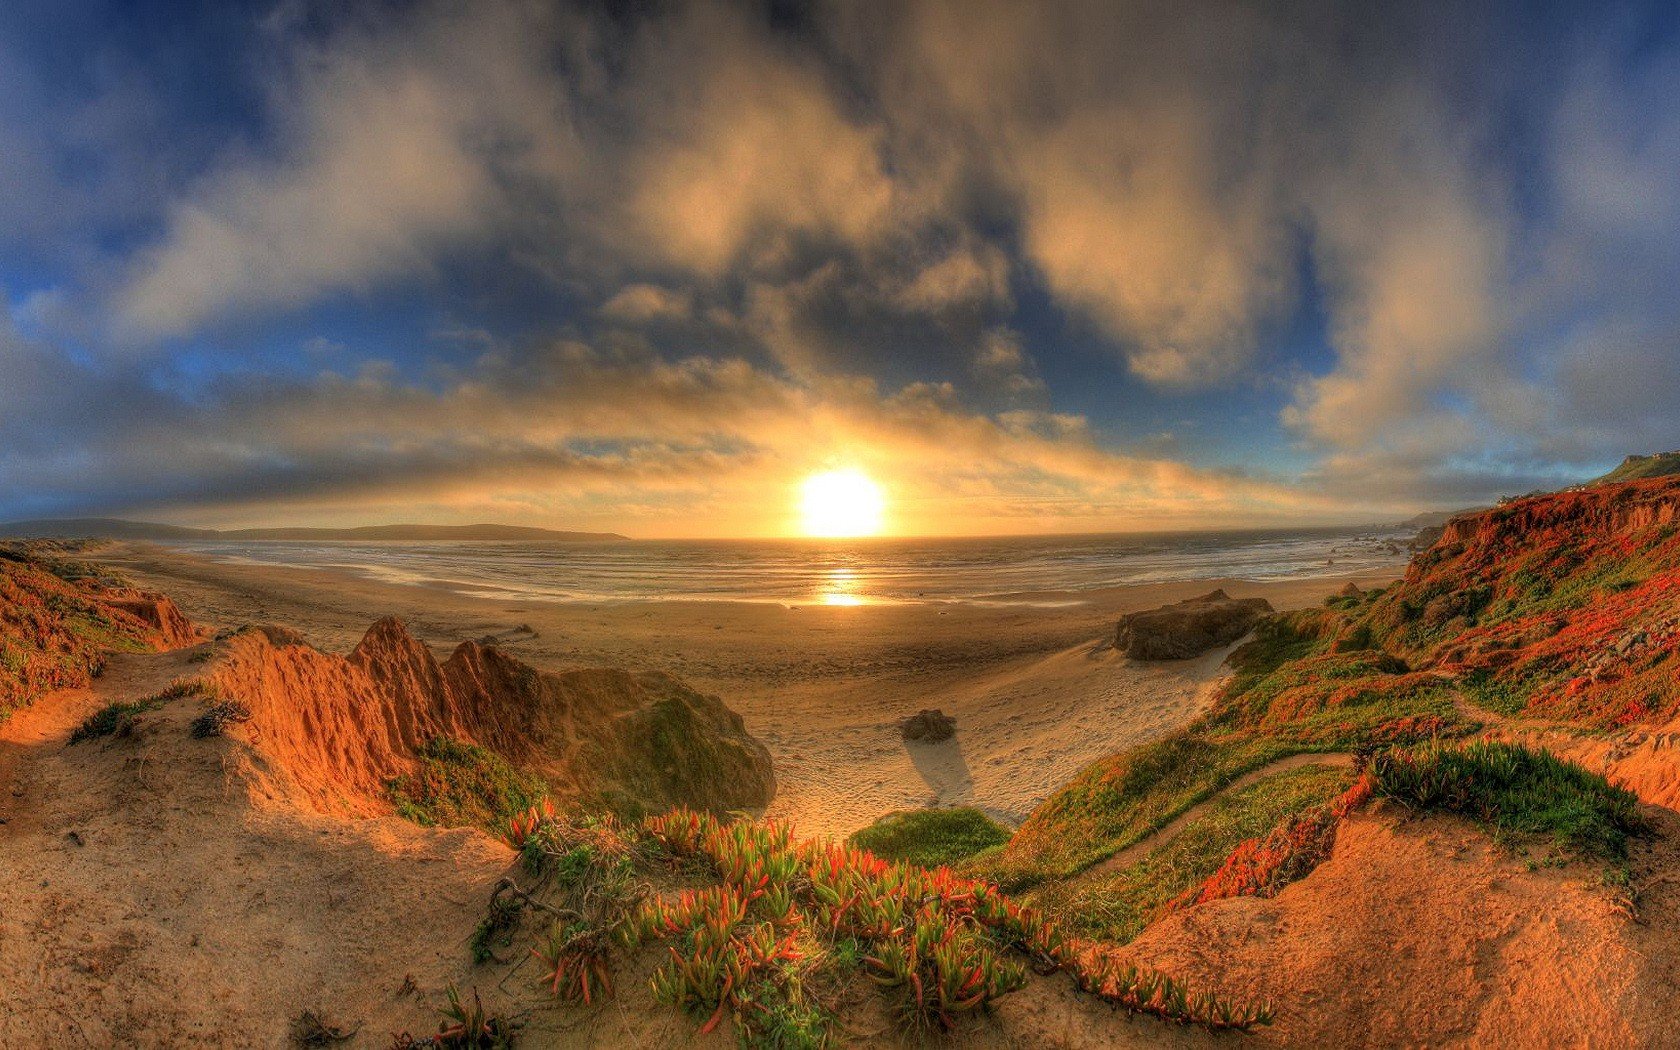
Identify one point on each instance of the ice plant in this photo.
(522, 826)
(576, 957)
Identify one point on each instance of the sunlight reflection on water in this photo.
(841, 587)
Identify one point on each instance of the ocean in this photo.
(1026, 570)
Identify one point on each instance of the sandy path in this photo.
(1022, 732)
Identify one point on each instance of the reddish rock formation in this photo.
(55, 633)
(1601, 510)
(342, 727)
(169, 627)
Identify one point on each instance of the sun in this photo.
(840, 503)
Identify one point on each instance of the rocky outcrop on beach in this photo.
(928, 726)
(1188, 628)
(340, 728)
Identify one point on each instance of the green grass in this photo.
(931, 837)
(1485, 690)
(1635, 468)
(460, 784)
(1518, 793)
(1121, 904)
(1120, 800)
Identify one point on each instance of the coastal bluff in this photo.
(340, 728)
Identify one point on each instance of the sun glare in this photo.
(838, 503)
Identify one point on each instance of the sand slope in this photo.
(1022, 731)
(1420, 933)
(154, 905)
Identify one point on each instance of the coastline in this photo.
(1036, 691)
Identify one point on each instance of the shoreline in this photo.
(1036, 690)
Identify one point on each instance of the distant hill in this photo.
(119, 529)
(1633, 468)
(1434, 518)
(102, 528)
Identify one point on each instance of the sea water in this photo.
(1026, 570)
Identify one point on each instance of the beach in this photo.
(1035, 688)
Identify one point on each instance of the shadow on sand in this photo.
(945, 770)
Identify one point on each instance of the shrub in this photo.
(218, 718)
(1517, 791)
(931, 837)
(116, 719)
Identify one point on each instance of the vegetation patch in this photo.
(1517, 792)
(1119, 801)
(765, 932)
(117, 719)
(1261, 867)
(931, 837)
(1119, 905)
(459, 784)
(55, 632)
(215, 721)
(465, 1025)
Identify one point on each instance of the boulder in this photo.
(1188, 628)
(1350, 590)
(928, 726)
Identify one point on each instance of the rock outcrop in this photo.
(928, 726)
(1188, 628)
(167, 626)
(340, 728)
(56, 632)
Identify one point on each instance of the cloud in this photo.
(1435, 248)
(572, 433)
(741, 146)
(642, 304)
(1123, 140)
(1413, 249)
(395, 145)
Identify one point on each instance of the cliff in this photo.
(1565, 605)
(340, 728)
(56, 632)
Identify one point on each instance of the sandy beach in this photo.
(1037, 692)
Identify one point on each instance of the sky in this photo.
(1033, 267)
